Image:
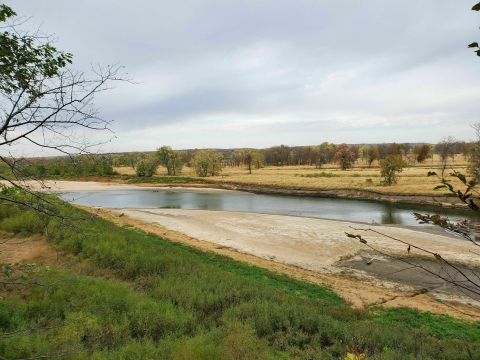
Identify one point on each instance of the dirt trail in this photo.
(360, 294)
(34, 249)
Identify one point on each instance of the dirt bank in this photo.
(440, 201)
(289, 248)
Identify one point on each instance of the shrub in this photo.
(345, 156)
(390, 167)
(207, 163)
(146, 167)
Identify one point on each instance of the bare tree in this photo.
(46, 105)
(43, 102)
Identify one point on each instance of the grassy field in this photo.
(123, 294)
(412, 181)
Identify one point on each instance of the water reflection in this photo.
(340, 209)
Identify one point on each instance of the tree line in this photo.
(391, 158)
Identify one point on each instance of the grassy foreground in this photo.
(160, 300)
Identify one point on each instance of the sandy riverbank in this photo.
(313, 244)
(59, 186)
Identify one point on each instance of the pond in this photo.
(327, 208)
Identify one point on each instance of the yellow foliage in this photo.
(351, 356)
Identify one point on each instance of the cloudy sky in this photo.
(260, 73)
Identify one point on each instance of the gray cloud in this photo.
(236, 73)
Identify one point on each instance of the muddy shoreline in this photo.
(442, 201)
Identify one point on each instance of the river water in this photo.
(327, 208)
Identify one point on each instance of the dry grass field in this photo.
(412, 181)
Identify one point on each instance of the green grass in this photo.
(167, 301)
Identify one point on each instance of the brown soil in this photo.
(34, 249)
(440, 201)
(360, 293)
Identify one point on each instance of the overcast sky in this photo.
(260, 73)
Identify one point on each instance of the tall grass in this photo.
(167, 301)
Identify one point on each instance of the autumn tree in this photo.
(372, 155)
(208, 163)
(147, 166)
(326, 154)
(170, 159)
(422, 152)
(344, 157)
(258, 160)
(390, 167)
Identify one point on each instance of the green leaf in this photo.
(476, 7)
(473, 45)
(431, 173)
(460, 177)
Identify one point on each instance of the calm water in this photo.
(340, 209)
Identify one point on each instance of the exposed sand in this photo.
(58, 186)
(313, 244)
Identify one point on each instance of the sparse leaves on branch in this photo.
(474, 45)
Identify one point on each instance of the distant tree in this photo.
(258, 160)
(208, 163)
(344, 156)
(474, 160)
(372, 155)
(146, 167)
(422, 152)
(326, 153)
(249, 160)
(238, 157)
(390, 167)
(363, 152)
(466, 149)
(171, 159)
(445, 149)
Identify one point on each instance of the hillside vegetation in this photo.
(123, 294)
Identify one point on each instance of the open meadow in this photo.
(412, 180)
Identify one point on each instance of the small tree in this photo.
(445, 148)
(474, 159)
(372, 155)
(249, 161)
(390, 167)
(258, 160)
(208, 163)
(345, 157)
(170, 159)
(422, 152)
(146, 167)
